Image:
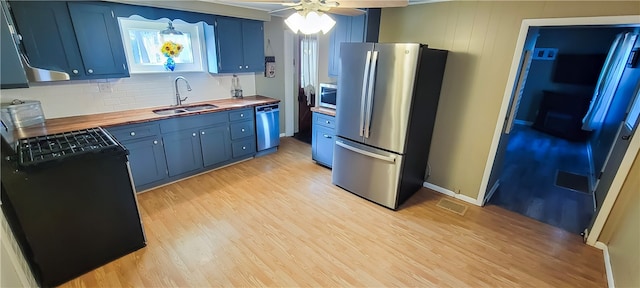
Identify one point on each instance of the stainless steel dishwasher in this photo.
(268, 128)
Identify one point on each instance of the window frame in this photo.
(198, 44)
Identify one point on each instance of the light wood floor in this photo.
(278, 221)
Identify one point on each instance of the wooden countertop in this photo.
(326, 111)
(66, 124)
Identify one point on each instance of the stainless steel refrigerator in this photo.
(386, 107)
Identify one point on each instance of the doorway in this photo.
(547, 172)
(513, 126)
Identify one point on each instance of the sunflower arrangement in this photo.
(171, 49)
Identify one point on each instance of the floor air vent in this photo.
(452, 206)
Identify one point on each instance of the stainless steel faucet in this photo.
(175, 85)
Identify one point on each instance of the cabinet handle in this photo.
(328, 122)
(240, 66)
(241, 114)
(194, 134)
(155, 142)
(244, 147)
(132, 133)
(90, 71)
(242, 129)
(247, 67)
(326, 136)
(75, 71)
(202, 132)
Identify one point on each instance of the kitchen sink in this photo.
(184, 109)
(199, 107)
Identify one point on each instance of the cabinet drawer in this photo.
(241, 115)
(192, 121)
(242, 148)
(325, 120)
(241, 129)
(134, 131)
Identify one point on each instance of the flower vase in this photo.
(170, 65)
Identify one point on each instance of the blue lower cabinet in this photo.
(216, 146)
(244, 148)
(147, 160)
(183, 152)
(322, 139)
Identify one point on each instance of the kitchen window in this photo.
(143, 43)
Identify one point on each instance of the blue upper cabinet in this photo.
(240, 45)
(252, 45)
(47, 35)
(361, 28)
(82, 39)
(98, 36)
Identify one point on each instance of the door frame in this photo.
(634, 146)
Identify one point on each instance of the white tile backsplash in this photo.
(83, 97)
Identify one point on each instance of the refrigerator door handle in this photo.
(390, 159)
(364, 92)
(372, 77)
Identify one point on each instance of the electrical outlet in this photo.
(105, 87)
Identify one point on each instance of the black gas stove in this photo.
(70, 201)
(31, 151)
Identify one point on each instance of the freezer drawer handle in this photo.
(391, 159)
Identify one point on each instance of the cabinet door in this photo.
(147, 160)
(98, 37)
(323, 139)
(216, 145)
(253, 45)
(229, 43)
(183, 152)
(12, 74)
(340, 34)
(48, 37)
(356, 31)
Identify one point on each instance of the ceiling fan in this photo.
(343, 7)
(310, 16)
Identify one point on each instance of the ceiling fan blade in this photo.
(346, 11)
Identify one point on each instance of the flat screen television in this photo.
(578, 69)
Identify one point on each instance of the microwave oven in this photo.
(328, 94)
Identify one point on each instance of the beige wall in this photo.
(622, 231)
(274, 87)
(481, 37)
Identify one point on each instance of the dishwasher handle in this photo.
(267, 108)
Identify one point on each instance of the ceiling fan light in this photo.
(326, 23)
(294, 22)
(310, 23)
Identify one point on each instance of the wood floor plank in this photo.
(278, 221)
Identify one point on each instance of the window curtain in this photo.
(309, 66)
(608, 81)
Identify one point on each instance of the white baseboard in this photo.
(448, 192)
(607, 263)
(283, 135)
(522, 122)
